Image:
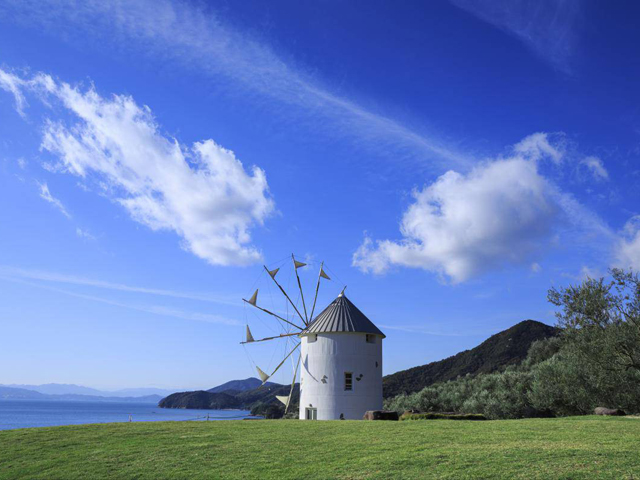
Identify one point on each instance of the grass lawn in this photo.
(577, 447)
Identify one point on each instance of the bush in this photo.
(442, 416)
(495, 395)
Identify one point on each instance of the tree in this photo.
(602, 319)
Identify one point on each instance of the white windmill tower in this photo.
(341, 364)
(340, 358)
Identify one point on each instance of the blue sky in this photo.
(449, 162)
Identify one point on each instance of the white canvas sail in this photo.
(263, 376)
(249, 336)
(254, 298)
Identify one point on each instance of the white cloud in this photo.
(201, 192)
(596, 168)
(546, 27)
(462, 225)
(196, 37)
(13, 84)
(82, 233)
(502, 212)
(628, 246)
(535, 267)
(22, 163)
(46, 195)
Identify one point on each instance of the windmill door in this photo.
(312, 414)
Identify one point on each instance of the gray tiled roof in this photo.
(342, 316)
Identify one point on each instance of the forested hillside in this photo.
(508, 347)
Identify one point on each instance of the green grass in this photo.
(578, 447)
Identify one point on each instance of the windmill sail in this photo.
(302, 313)
(282, 335)
(271, 313)
(253, 299)
(266, 377)
(249, 336)
(273, 273)
(263, 376)
(293, 384)
(290, 301)
(320, 275)
(297, 264)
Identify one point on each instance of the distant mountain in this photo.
(59, 389)
(95, 398)
(261, 400)
(11, 393)
(71, 389)
(139, 392)
(508, 347)
(239, 385)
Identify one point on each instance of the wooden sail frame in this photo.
(273, 314)
(297, 265)
(273, 277)
(305, 319)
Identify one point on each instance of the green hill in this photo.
(200, 400)
(508, 347)
(237, 386)
(261, 400)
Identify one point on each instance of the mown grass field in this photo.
(578, 447)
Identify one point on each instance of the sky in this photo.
(449, 162)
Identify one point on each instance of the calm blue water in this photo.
(37, 413)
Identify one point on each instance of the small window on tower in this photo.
(371, 338)
(312, 338)
(348, 381)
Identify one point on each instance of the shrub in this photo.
(442, 416)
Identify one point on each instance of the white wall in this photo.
(328, 358)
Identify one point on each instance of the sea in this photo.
(39, 413)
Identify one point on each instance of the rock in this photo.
(609, 411)
(380, 415)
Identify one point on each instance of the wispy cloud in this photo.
(198, 38)
(13, 84)
(628, 245)
(152, 309)
(83, 233)
(46, 195)
(425, 331)
(20, 273)
(546, 27)
(596, 168)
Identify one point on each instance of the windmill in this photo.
(290, 322)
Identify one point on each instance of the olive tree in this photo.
(602, 319)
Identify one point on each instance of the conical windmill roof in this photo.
(342, 316)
